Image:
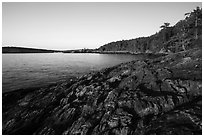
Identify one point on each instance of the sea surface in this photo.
(35, 70)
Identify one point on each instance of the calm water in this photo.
(34, 70)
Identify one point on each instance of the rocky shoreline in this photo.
(146, 96)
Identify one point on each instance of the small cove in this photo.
(41, 69)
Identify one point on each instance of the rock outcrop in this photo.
(150, 96)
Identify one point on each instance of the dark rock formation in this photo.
(150, 96)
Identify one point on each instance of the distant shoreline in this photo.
(7, 50)
(22, 50)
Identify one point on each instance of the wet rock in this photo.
(126, 73)
(87, 111)
(113, 123)
(114, 79)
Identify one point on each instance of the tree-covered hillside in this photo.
(25, 50)
(184, 35)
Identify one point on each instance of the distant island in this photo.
(26, 50)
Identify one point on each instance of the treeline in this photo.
(79, 51)
(184, 35)
(25, 50)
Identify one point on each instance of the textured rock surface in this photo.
(151, 96)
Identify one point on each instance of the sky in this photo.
(68, 25)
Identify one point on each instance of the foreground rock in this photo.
(157, 96)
